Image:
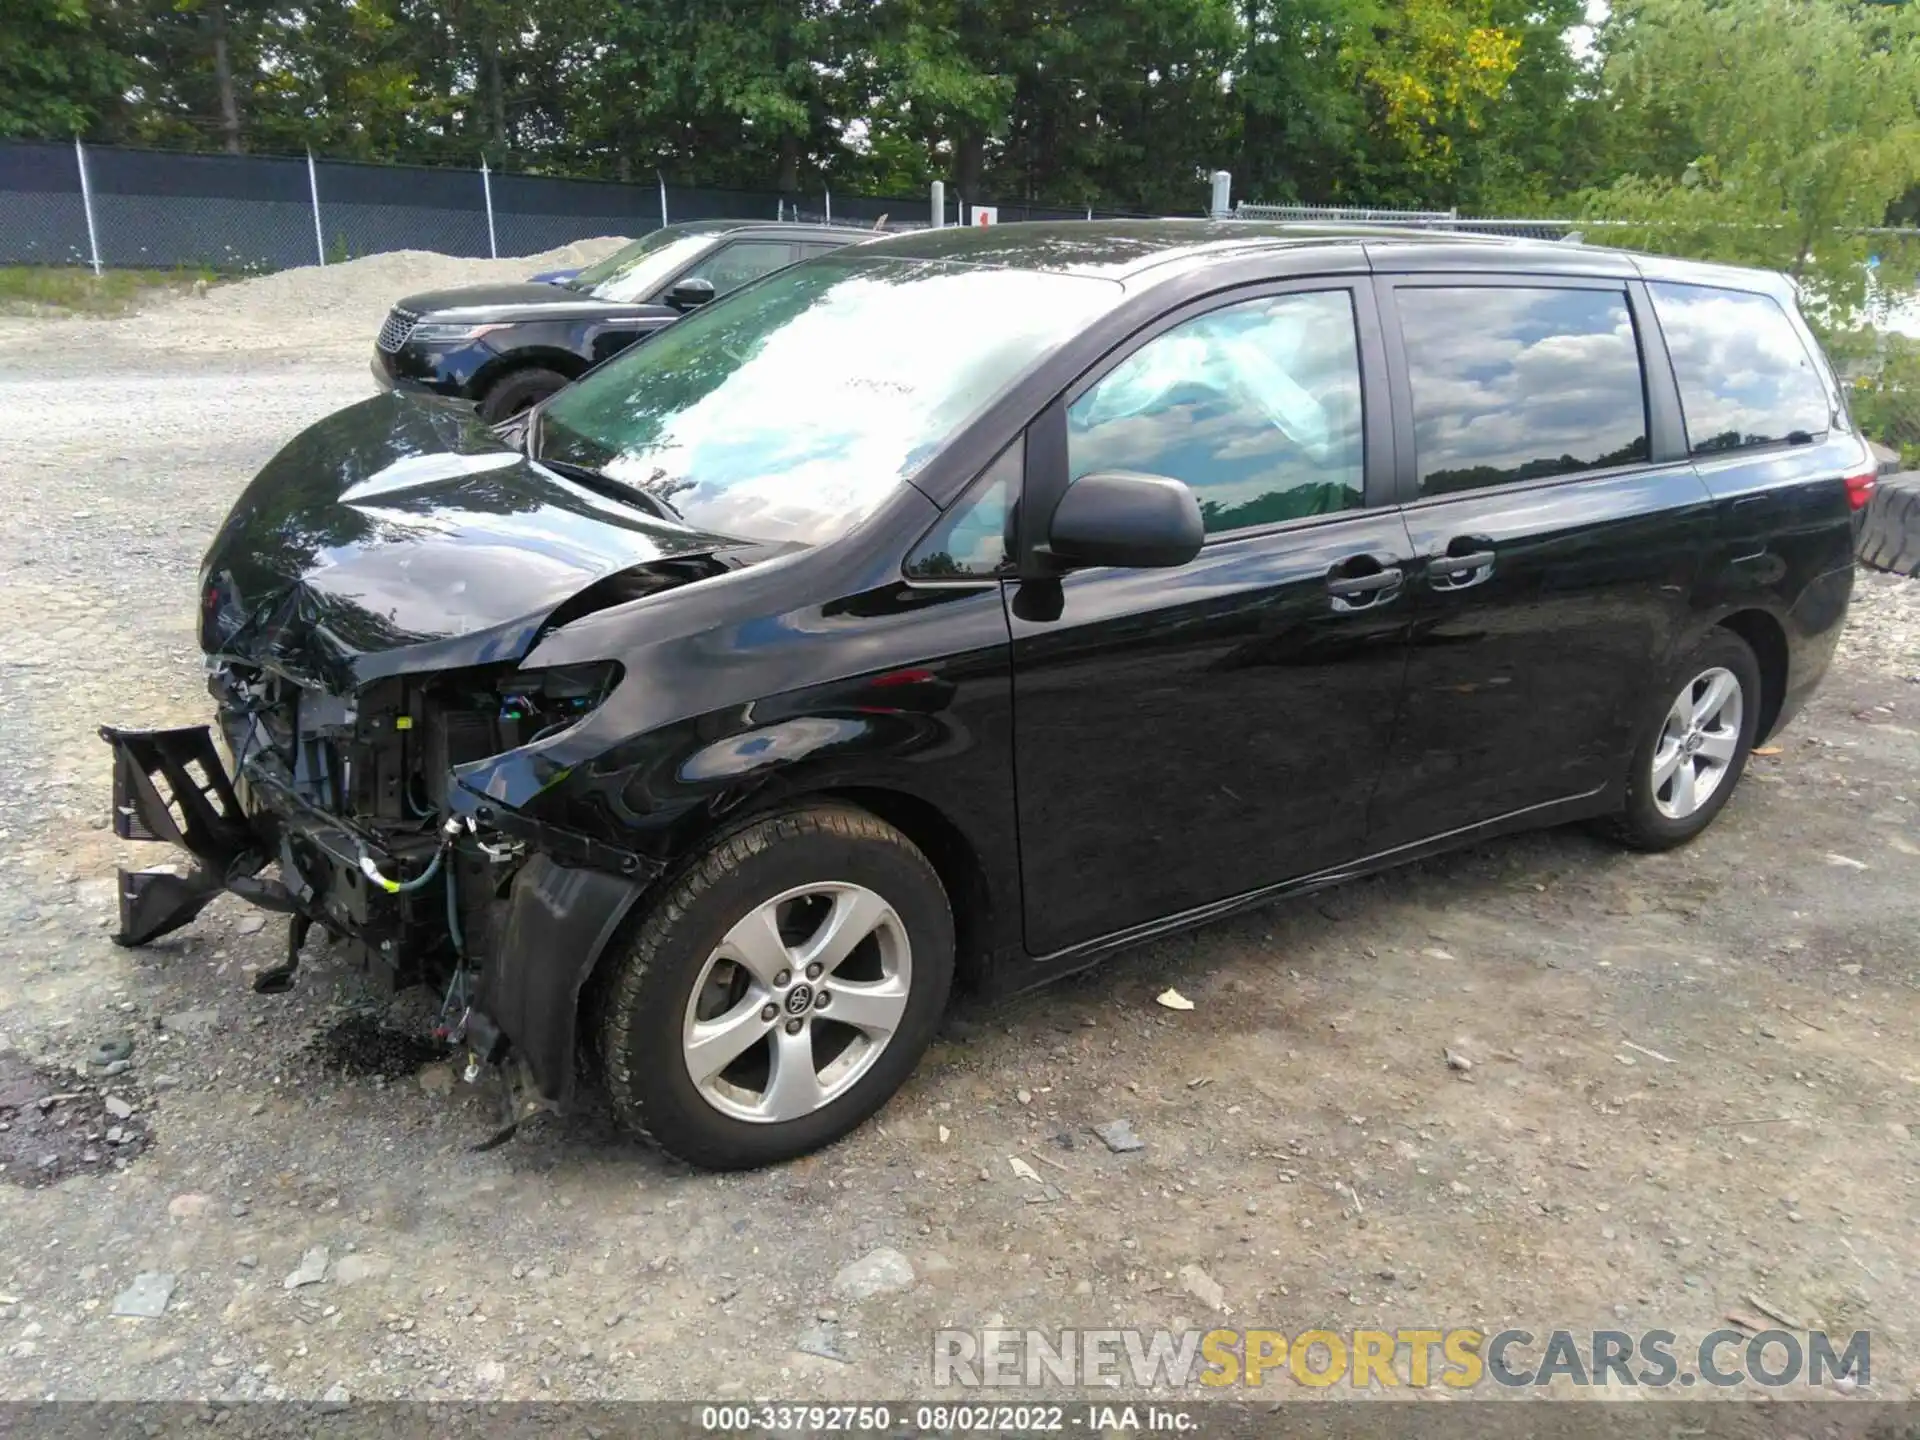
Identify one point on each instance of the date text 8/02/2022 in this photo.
(1455, 1358)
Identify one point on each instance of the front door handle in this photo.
(1362, 582)
(1467, 560)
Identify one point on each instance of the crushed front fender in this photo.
(560, 920)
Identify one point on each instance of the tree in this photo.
(197, 61)
(1544, 137)
(1363, 102)
(62, 71)
(1434, 67)
(1801, 122)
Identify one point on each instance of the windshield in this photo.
(787, 412)
(633, 272)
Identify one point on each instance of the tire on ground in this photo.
(1890, 529)
(1639, 824)
(515, 392)
(642, 999)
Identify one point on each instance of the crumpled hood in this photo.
(402, 535)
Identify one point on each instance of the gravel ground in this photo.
(1693, 1077)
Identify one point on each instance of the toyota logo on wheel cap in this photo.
(799, 999)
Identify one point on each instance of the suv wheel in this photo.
(1693, 747)
(519, 391)
(781, 989)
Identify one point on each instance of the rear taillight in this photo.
(1860, 489)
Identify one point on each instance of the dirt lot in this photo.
(1695, 1081)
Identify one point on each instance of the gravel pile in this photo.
(355, 294)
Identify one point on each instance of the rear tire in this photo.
(716, 1043)
(1693, 745)
(519, 391)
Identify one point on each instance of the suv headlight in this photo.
(447, 333)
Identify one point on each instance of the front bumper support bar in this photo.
(197, 810)
(566, 902)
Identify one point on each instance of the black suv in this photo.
(508, 346)
(971, 603)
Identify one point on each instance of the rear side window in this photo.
(1745, 378)
(1513, 384)
(1256, 406)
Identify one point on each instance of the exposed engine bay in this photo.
(343, 814)
(380, 765)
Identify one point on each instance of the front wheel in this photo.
(779, 991)
(519, 391)
(1693, 747)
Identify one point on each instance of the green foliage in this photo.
(1750, 129)
(61, 70)
(1886, 399)
(75, 290)
(1799, 121)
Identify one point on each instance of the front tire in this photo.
(519, 391)
(1693, 745)
(781, 989)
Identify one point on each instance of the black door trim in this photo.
(1666, 422)
(1597, 801)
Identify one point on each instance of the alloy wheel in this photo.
(1698, 742)
(797, 1002)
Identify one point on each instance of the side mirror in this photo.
(690, 294)
(1124, 519)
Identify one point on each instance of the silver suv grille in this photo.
(393, 334)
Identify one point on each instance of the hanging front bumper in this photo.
(171, 786)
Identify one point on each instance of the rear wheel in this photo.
(779, 991)
(519, 391)
(1693, 746)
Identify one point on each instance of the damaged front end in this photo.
(345, 813)
(366, 610)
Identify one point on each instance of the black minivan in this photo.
(969, 603)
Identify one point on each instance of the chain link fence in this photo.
(120, 207)
(235, 213)
(1414, 220)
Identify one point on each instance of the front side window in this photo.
(732, 266)
(788, 412)
(1519, 383)
(973, 539)
(1745, 378)
(1256, 407)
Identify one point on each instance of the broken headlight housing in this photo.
(536, 705)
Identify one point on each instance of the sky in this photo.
(1580, 38)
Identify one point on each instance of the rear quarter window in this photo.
(1745, 377)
